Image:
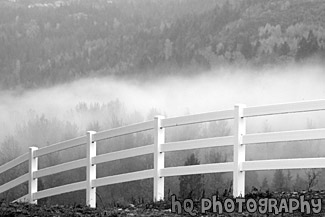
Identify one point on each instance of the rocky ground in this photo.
(162, 208)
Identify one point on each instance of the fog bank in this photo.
(214, 90)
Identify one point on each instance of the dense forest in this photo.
(49, 42)
(46, 43)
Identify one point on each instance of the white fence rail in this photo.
(238, 140)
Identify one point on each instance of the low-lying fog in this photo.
(215, 90)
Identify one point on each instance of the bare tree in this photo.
(312, 177)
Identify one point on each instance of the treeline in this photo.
(41, 131)
(45, 43)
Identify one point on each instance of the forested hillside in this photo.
(43, 43)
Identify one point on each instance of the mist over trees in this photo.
(50, 42)
(190, 186)
(41, 131)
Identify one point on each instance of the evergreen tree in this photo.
(278, 181)
(251, 180)
(312, 177)
(191, 185)
(265, 185)
(214, 181)
(247, 49)
(307, 47)
(284, 49)
(288, 180)
(300, 184)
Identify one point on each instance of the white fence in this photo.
(239, 141)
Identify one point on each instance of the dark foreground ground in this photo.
(162, 208)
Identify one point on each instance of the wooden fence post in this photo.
(159, 159)
(239, 151)
(91, 170)
(33, 166)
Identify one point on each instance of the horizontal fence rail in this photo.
(285, 136)
(60, 190)
(127, 177)
(307, 106)
(238, 141)
(303, 163)
(197, 143)
(135, 128)
(60, 168)
(19, 160)
(61, 146)
(118, 155)
(14, 183)
(197, 169)
(198, 118)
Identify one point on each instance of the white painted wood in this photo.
(60, 168)
(23, 199)
(14, 183)
(14, 162)
(61, 146)
(239, 151)
(198, 143)
(132, 152)
(284, 136)
(135, 128)
(238, 167)
(91, 170)
(306, 106)
(159, 159)
(60, 190)
(126, 177)
(197, 169)
(33, 167)
(198, 118)
(299, 163)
